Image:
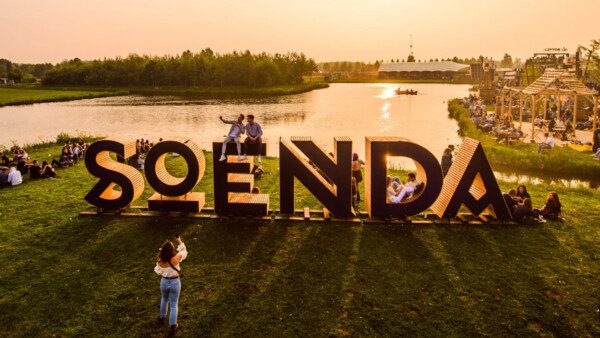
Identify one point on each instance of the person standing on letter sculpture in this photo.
(167, 266)
(253, 135)
(237, 128)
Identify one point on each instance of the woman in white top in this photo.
(167, 266)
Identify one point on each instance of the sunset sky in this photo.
(327, 30)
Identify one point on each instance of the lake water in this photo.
(354, 110)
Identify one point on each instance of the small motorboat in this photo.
(402, 91)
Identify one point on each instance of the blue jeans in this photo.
(170, 289)
(237, 143)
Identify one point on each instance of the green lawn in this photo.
(15, 96)
(68, 275)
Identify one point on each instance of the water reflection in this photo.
(355, 110)
(553, 181)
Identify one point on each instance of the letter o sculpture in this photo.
(161, 180)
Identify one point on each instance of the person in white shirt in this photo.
(14, 177)
(237, 129)
(167, 266)
(409, 187)
(548, 144)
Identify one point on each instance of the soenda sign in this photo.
(469, 182)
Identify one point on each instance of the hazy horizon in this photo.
(350, 30)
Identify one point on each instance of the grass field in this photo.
(66, 275)
(16, 96)
(560, 161)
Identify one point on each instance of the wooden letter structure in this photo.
(429, 173)
(329, 180)
(174, 193)
(111, 173)
(470, 182)
(233, 183)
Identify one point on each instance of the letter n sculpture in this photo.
(327, 178)
(470, 182)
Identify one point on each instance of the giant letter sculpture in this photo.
(429, 173)
(233, 183)
(470, 181)
(111, 173)
(174, 193)
(335, 196)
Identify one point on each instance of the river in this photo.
(354, 110)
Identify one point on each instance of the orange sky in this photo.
(53, 30)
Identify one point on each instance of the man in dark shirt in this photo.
(254, 134)
(35, 171)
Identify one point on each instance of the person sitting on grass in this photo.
(22, 166)
(5, 160)
(547, 144)
(237, 129)
(14, 176)
(35, 171)
(167, 266)
(3, 177)
(47, 170)
(253, 136)
(510, 200)
(552, 208)
(522, 193)
(523, 213)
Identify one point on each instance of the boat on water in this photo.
(403, 91)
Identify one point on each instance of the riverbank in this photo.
(560, 161)
(93, 275)
(11, 96)
(39, 94)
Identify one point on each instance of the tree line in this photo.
(23, 72)
(205, 68)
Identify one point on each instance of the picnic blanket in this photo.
(581, 147)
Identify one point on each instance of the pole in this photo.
(595, 112)
(533, 111)
(510, 105)
(545, 107)
(521, 103)
(502, 102)
(574, 111)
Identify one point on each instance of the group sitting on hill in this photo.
(141, 149)
(12, 170)
(522, 211)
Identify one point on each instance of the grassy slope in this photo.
(560, 161)
(28, 95)
(71, 275)
(16, 96)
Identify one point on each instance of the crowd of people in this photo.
(503, 129)
(14, 168)
(141, 150)
(522, 210)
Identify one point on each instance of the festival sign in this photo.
(470, 181)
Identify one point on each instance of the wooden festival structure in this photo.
(553, 82)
